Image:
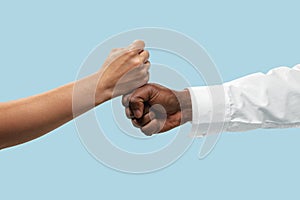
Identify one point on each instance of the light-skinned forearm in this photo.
(26, 119)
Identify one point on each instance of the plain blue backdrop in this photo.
(42, 45)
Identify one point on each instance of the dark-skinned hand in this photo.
(156, 109)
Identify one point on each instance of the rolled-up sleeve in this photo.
(259, 100)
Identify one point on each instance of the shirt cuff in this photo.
(210, 108)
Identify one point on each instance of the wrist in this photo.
(185, 103)
(100, 89)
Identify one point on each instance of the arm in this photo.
(259, 100)
(26, 119)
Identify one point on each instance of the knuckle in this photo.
(127, 54)
(136, 61)
(125, 101)
(132, 101)
(131, 53)
(147, 53)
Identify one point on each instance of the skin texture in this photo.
(156, 109)
(26, 119)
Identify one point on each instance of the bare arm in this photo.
(26, 119)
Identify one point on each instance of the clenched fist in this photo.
(124, 70)
(155, 109)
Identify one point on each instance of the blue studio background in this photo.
(42, 45)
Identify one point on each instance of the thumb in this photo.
(137, 108)
(138, 99)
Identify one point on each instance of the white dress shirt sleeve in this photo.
(270, 100)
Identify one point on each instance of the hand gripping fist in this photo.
(124, 70)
